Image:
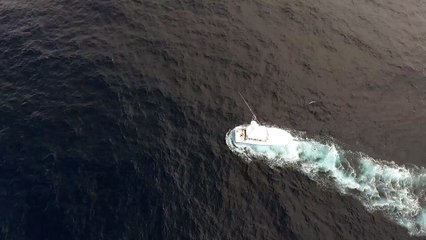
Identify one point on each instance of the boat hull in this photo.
(275, 137)
(280, 143)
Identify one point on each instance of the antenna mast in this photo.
(254, 115)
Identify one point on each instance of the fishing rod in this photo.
(251, 110)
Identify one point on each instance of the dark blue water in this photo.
(113, 114)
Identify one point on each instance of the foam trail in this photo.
(397, 191)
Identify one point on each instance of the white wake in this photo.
(397, 191)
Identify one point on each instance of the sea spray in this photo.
(397, 191)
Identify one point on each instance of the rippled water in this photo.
(113, 112)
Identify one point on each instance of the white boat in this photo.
(258, 134)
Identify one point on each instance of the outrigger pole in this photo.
(254, 115)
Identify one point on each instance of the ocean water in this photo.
(113, 113)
